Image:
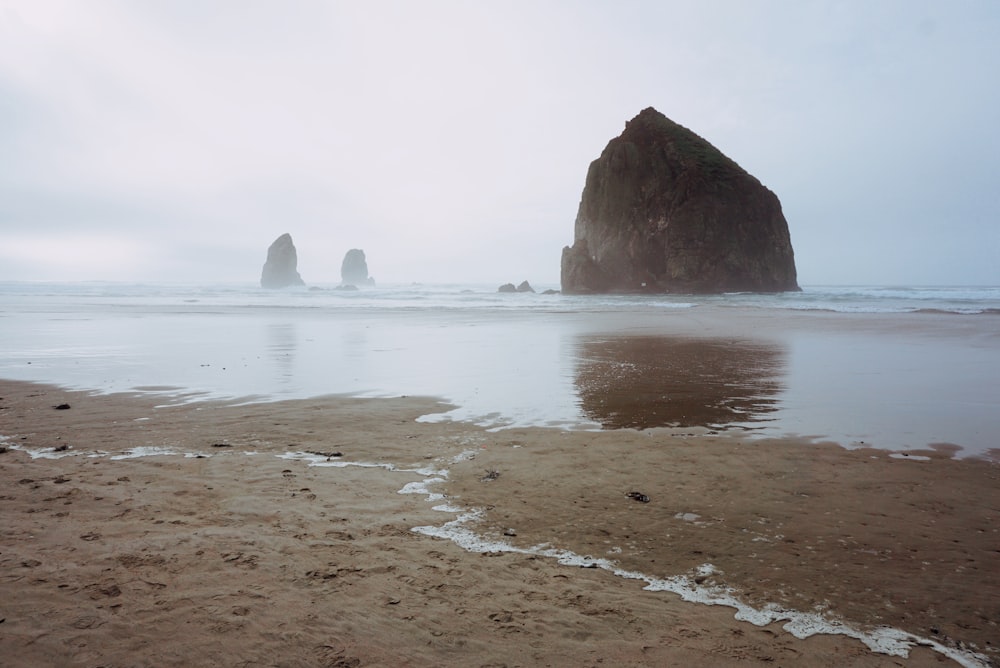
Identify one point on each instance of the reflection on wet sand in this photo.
(653, 381)
(282, 344)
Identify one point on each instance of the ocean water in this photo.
(892, 367)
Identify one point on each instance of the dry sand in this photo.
(242, 558)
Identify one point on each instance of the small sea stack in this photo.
(280, 269)
(354, 269)
(523, 286)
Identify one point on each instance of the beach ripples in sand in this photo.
(469, 529)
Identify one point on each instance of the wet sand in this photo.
(257, 552)
(890, 380)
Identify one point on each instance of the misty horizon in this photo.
(158, 142)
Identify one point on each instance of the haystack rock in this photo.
(665, 211)
(280, 267)
(354, 269)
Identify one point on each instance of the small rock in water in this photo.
(638, 496)
(524, 286)
(62, 407)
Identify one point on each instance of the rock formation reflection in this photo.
(282, 345)
(651, 381)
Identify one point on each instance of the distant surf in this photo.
(896, 367)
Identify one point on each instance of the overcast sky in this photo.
(176, 139)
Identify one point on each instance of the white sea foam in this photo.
(149, 451)
(321, 460)
(465, 455)
(422, 487)
(802, 625)
(890, 641)
(131, 453)
(51, 453)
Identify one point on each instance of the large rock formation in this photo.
(665, 211)
(280, 268)
(354, 269)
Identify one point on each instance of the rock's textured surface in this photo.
(354, 269)
(665, 211)
(280, 268)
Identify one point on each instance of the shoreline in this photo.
(781, 373)
(914, 542)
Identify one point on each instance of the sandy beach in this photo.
(274, 534)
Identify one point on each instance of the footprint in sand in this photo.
(87, 622)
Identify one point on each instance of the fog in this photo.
(174, 141)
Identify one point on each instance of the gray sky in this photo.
(175, 140)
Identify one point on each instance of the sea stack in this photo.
(280, 268)
(665, 211)
(354, 269)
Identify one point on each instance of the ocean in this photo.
(894, 367)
